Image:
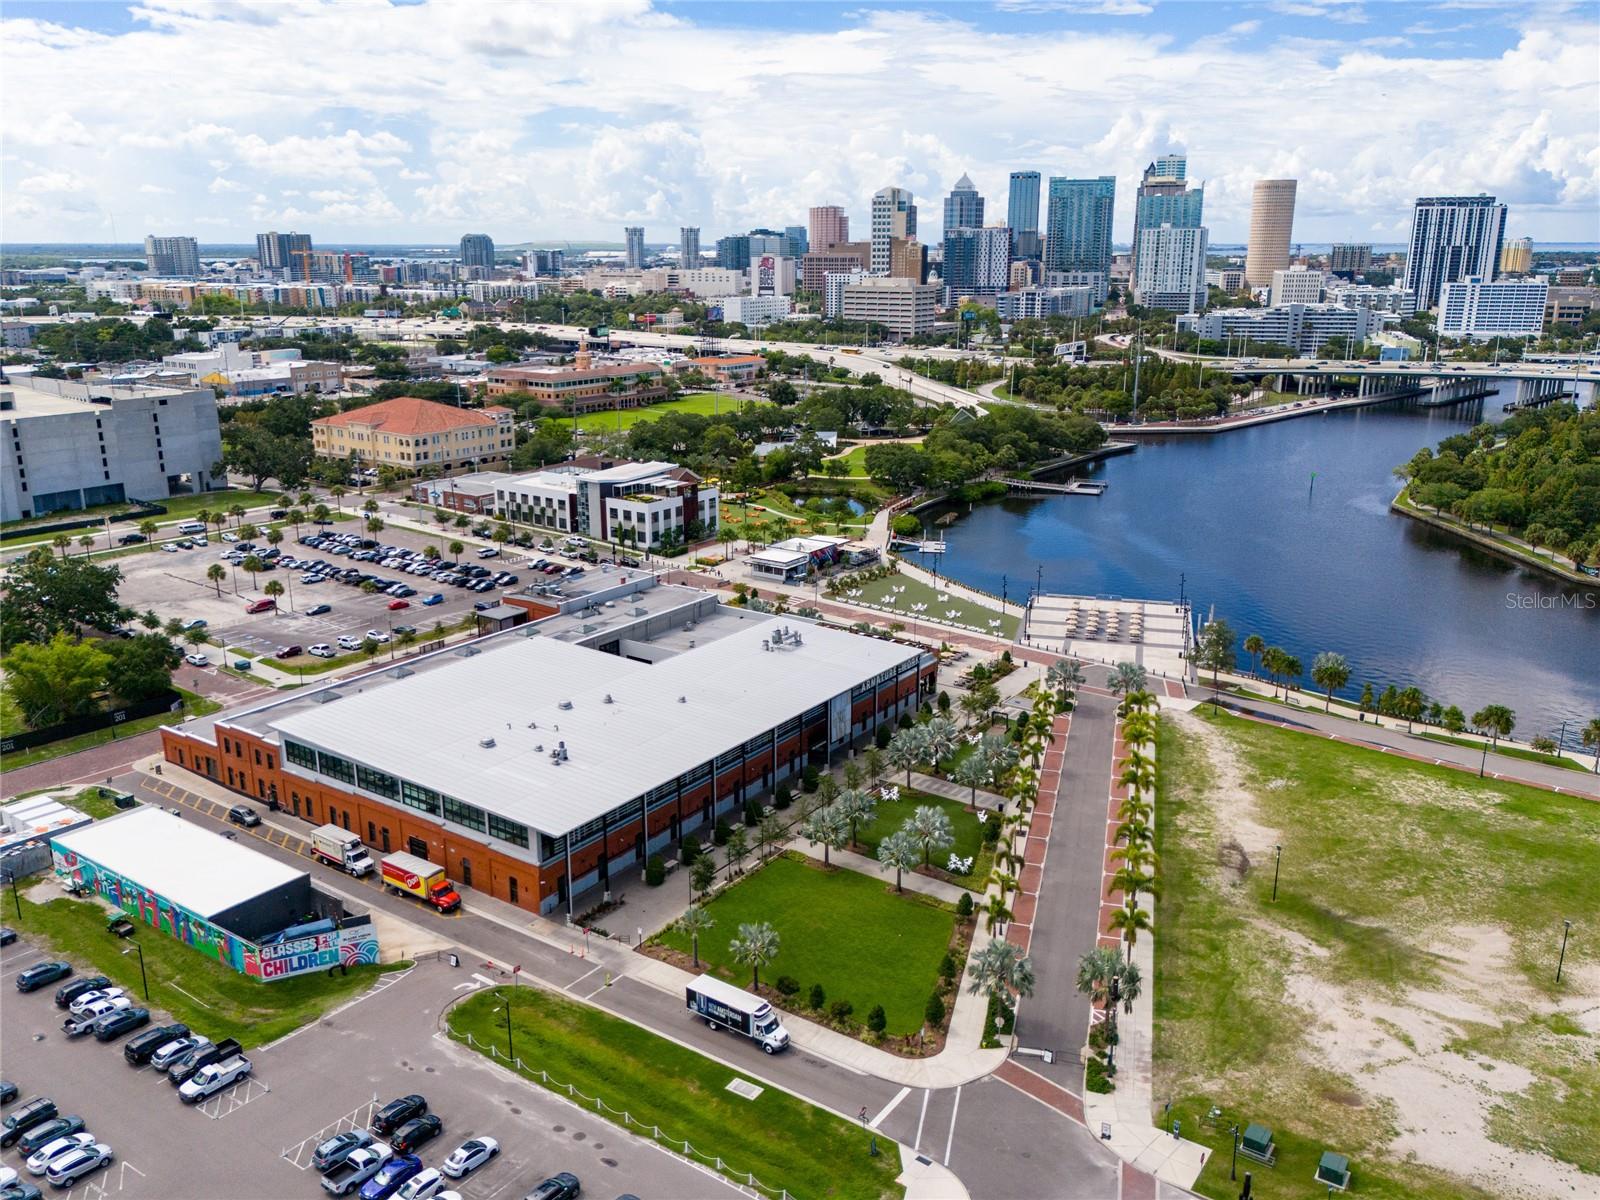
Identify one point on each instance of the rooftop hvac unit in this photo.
(608, 699)
(565, 704)
(487, 743)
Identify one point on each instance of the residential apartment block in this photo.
(410, 433)
(1481, 308)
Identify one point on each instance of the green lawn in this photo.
(92, 801)
(856, 459)
(194, 705)
(1549, 760)
(196, 990)
(964, 825)
(703, 404)
(785, 1142)
(849, 932)
(1382, 859)
(179, 508)
(885, 594)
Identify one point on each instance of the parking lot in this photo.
(256, 1139)
(175, 585)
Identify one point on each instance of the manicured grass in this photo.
(785, 1142)
(92, 801)
(964, 825)
(199, 991)
(849, 932)
(185, 507)
(1549, 760)
(856, 460)
(1380, 856)
(194, 705)
(885, 594)
(703, 404)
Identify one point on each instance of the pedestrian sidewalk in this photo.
(953, 791)
(849, 860)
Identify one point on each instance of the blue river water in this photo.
(1237, 521)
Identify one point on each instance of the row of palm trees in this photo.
(1135, 832)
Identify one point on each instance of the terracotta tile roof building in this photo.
(409, 432)
(582, 387)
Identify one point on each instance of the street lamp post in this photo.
(1566, 928)
(144, 981)
(1233, 1169)
(11, 878)
(511, 1050)
(1277, 863)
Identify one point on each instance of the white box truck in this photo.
(341, 848)
(724, 1006)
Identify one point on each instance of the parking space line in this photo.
(235, 1098)
(356, 1118)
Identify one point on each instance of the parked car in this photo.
(349, 641)
(564, 1186)
(400, 630)
(42, 974)
(317, 610)
(46, 1132)
(229, 536)
(39, 1161)
(142, 1049)
(86, 999)
(488, 552)
(243, 814)
(338, 1148)
(390, 1176)
(170, 1052)
(8, 1091)
(397, 1112)
(70, 991)
(430, 601)
(289, 651)
(469, 1156)
(185, 1068)
(424, 1185)
(23, 1118)
(261, 606)
(321, 650)
(416, 1133)
(358, 1166)
(212, 1078)
(112, 1026)
(377, 635)
(397, 605)
(78, 1026)
(130, 539)
(195, 623)
(195, 659)
(69, 1168)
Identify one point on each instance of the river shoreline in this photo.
(1403, 506)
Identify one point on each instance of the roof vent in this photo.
(487, 743)
(767, 646)
(608, 699)
(683, 699)
(565, 704)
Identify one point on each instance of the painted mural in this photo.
(355, 943)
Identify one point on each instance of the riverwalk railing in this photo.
(745, 1179)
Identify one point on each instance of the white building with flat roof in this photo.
(1297, 285)
(637, 502)
(902, 306)
(1302, 327)
(1170, 268)
(1477, 308)
(66, 445)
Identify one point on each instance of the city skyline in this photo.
(386, 149)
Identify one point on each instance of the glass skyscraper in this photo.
(1078, 224)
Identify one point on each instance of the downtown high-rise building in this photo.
(477, 250)
(689, 246)
(1022, 215)
(634, 255)
(276, 252)
(1165, 198)
(173, 257)
(963, 207)
(894, 215)
(1078, 215)
(1516, 257)
(829, 225)
(1271, 227)
(796, 243)
(1169, 269)
(1452, 238)
(1350, 258)
(977, 261)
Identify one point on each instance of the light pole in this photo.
(11, 878)
(144, 981)
(1566, 928)
(511, 1050)
(1277, 863)
(1233, 1168)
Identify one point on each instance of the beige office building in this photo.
(1271, 225)
(828, 225)
(903, 306)
(1516, 257)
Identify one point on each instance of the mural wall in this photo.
(356, 942)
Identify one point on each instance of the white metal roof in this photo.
(428, 728)
(194, 868)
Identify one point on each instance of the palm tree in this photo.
(220, 520)
(1254, 647)
(972, 771)
(253, 566)
(455, 548)
(941, 735)
(370, 508)
(727, 537)
(236, 511)
(274, 537)
(1496, 720)
(62, 543)
(1591, 738)
(1000, 971)
(855, 806)
(827, 826)
(1096, 969)
(1128, 921)
(1066, 677)
(907, 750)
(1130, 883)
(152, 622)
(294, 517)
(430, 552)
(274, 589)
(899, 850)
(337, 491)
(1127, 678)
(147, 529)
(930, 827)
(248, 531)
(755, 946)
(321, 512)
(695, 921)
(1272, 661)
(1130, 984)
(305, 499)
(87, 542)
(1133, 829)
(995, 912)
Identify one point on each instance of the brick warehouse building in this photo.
(538, 762)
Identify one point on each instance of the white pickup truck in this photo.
(208, 1081)
(360, 1166)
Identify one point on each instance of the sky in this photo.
(415, 121)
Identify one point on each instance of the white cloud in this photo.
(571, 120)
